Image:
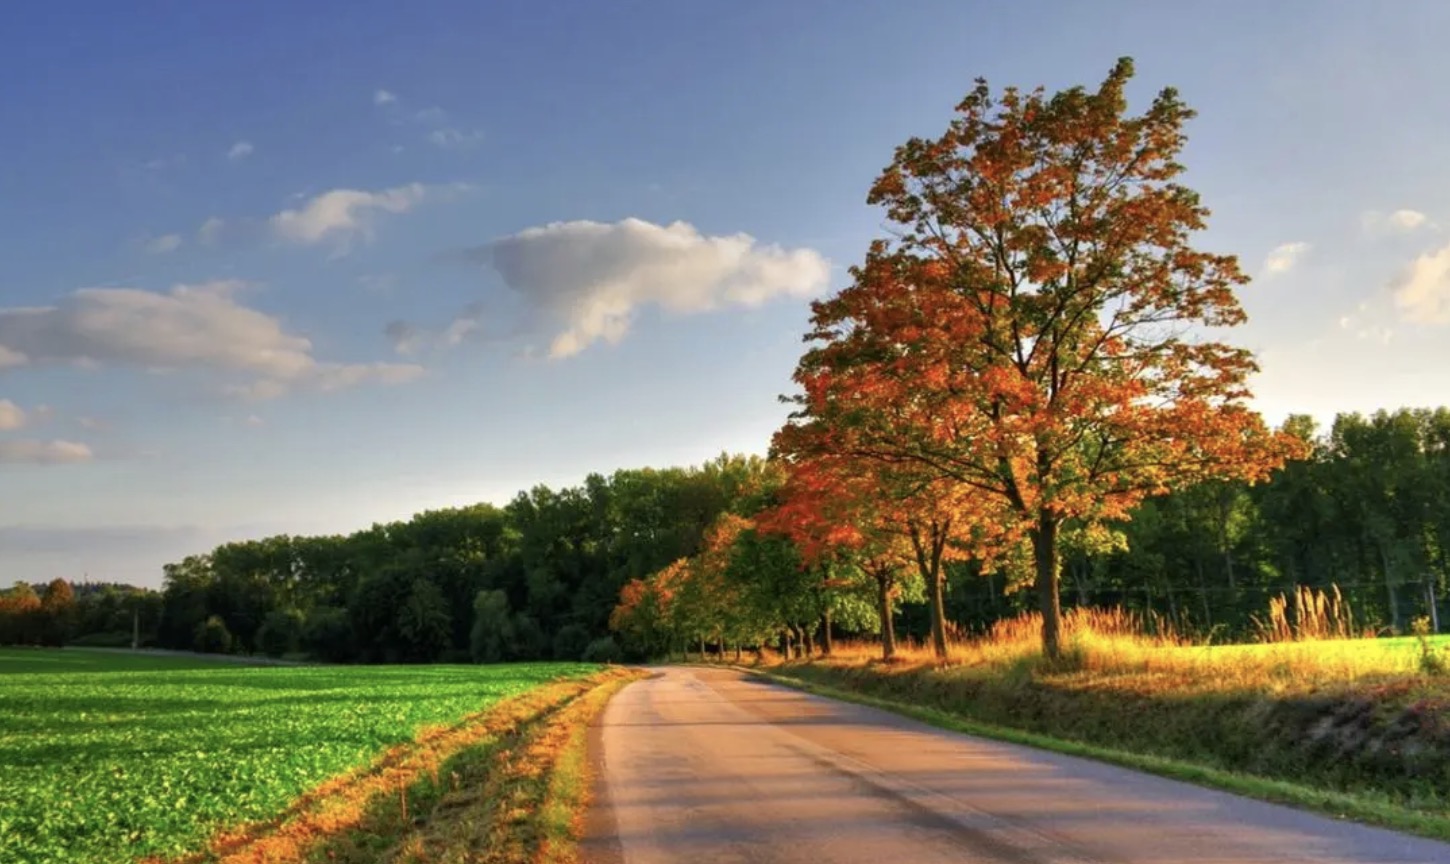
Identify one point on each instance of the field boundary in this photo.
(371, 812)
(1365, 809)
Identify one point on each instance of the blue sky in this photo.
(287, 267)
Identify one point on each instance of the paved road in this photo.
(711, 766)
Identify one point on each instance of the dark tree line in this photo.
(1368, 513)
(534, 579)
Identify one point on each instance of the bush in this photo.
(604, 650)
(213, 637)
(280, 633)
(327, 635)
(111, 639)
(570, 642)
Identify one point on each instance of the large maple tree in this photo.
(1041, 329)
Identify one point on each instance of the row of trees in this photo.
(742, 552)
(535, 579)
(57, 612)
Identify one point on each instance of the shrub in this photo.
(328, 635)
(603, 650)
(570, 642)
(213, 637)
(280, 633)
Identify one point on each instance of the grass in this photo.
(1357, 727)
(1368, 808)
(529, 799)
(104, 752)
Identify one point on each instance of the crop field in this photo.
(112, 757)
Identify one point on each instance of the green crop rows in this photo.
(110, 757)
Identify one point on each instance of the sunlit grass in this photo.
(1113, 643)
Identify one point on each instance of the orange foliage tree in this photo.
(883, 515)
(1040, 331)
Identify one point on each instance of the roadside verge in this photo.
(860, 686)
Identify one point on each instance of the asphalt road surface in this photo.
(706, 766)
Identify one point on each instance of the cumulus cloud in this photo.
(163, 244)
(383, 97)
(1400, 221)
(240, 150)
(586, 280)
(341, 215)
(11, 416)
(33, 452)
(1422, 291)
(1285, 257)
(192, 327)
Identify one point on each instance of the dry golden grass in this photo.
(1307, 646)
(528, 808)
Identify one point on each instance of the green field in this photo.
(112, 757)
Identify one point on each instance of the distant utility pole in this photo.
(1434, 609)
(135, 627)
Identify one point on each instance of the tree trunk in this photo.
(737, 652)
(928, 561)
(808, 641)
(827, 641)
(1390, 592)
(938, 616)
(883, 600)
(702, 649)
(785, 647)
(1044, 554)
(1203, 593)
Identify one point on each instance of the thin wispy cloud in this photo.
(12, 416)
(162, 245)
(384, 97)
(1285, 257)
(37, 452)
(240, 150)
(1422, 290)
(1397, 222)
(341, 216)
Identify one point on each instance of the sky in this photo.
(301, 267)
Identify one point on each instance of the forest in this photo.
(1368, 512)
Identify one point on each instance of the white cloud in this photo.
(11, 415)
(1284, 258)
(210, 231)
(452, 139)
(408, 339)
(44, 452)
(240, 150)
(163, 244)
(1401, 221)
(195, 328)
(343, 214)
(384, 97)
(1422, 292)
(10, 357)
(587, 279)
(254, 421)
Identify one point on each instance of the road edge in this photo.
(1335, 805)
